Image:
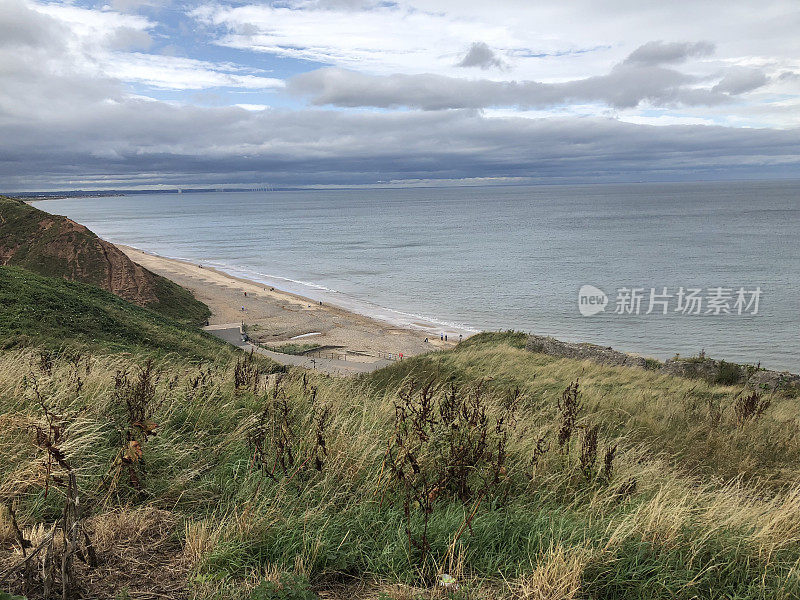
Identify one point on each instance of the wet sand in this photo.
(273, 317)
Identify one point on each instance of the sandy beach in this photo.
(273, 317)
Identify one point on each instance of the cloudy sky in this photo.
(143, 93)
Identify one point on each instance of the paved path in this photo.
(232, 334)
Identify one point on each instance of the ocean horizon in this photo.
(461, 260)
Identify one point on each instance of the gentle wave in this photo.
(336, 298)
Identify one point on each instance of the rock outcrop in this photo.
(708, 369)
(604, 355)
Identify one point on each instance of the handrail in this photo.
(343, 356)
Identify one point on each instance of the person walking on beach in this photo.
(243, 309)
(441, 336)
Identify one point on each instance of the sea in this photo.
(656, 269)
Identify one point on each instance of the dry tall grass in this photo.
(695, 503)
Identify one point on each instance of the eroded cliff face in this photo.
(59, 247)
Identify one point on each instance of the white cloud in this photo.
(381, 38)
(548, 42)
(254, 107)
(543, 40)
(177, 73)
(105, 44)
(666, 120)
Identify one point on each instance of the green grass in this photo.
(295, 349)
(515, 339)
(696, 506)
(37, 248)
(43, 311)
(668, 413)
(177, 303)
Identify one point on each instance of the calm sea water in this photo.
(501, 257)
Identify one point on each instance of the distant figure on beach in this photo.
(243, 309)
(441, 336)
(445, 337)
(245, 294)
(426, 340)
(401, 356)
(460, 337)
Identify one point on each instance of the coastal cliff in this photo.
(59, 247)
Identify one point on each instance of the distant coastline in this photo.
(29, 198)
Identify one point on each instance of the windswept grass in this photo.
(691, 423)
(487, 463)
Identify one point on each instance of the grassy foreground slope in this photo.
(58, 247)
(488, 463)
(53, 313)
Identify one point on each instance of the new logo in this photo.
(591, 300)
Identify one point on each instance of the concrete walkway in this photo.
(232, 333)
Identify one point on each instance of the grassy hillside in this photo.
(58, 247)
(53, 313)
(487, 463)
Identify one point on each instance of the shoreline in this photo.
(274, 317)
(307, 291)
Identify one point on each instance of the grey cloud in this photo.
(21, 26)
(627, 85)
(135, 5)
(62, 128)
(247, 29)
(660, 53)
(42, 79)
(741, 80)
(480, 55)
(149, 142)
(621, 88)
(789, 76)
